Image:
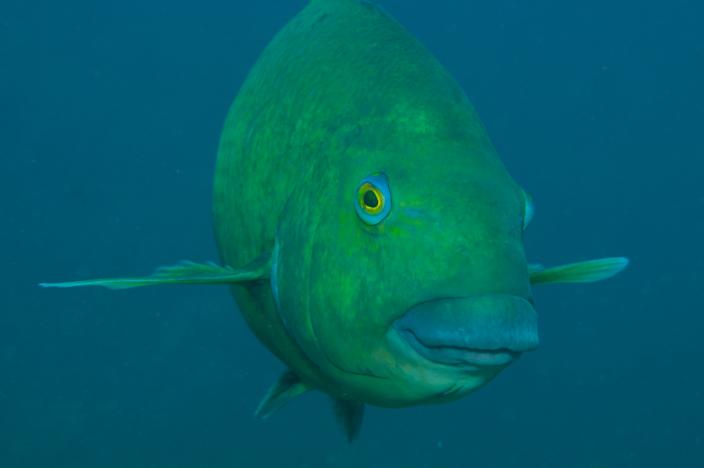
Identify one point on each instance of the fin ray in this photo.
(580, 272)
(350, 415)
(288, 387)
(185, 272)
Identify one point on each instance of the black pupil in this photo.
(370, 199)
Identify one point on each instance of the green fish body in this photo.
(370, 234)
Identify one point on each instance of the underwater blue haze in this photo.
(110, 114)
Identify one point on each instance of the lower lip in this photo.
(460, 357)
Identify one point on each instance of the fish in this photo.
(367, 229)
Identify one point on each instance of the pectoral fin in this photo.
(288, 387)
(185, 272)
(581, 272)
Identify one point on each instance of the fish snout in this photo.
(471, 332)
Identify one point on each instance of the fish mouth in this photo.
(470, 332)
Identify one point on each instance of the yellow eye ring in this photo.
(370, 199)
(373, 203)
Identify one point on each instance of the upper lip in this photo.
(488, 330)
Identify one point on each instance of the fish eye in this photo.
(528, 209)
(371, 198)
(373, 201)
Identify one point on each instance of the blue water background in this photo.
(110, 114)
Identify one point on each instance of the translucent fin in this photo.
(528, 210)
(581, 272)
(185, 272)
(350, 415)
(288, 387)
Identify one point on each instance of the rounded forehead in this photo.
(434, 169)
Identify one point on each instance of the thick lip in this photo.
(460, 356)
(470, 332)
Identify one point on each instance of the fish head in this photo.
(401, 273)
